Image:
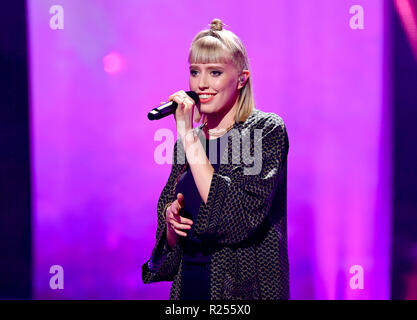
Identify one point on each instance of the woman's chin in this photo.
(206, 110)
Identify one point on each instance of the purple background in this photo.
(96, 181)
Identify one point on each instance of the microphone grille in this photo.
(193, 96)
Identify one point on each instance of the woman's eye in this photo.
(214, 73)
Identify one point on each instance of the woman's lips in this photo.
(207, 98)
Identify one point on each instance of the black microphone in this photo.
(169, 108)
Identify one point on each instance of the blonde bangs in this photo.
(208, 50)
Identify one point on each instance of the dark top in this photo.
(196, 249)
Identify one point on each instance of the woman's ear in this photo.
(243, 78)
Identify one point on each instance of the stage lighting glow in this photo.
(408, 14)
(113, 63)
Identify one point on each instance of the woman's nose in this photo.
(203, 82)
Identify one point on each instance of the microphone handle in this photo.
(169, 108)
(163, 110)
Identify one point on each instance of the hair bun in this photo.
(216, 25)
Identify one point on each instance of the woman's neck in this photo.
(219, 125)
(217, 122)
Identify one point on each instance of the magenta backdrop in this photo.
(96, 181)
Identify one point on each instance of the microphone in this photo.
(169, 108)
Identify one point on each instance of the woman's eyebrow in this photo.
(208, 67)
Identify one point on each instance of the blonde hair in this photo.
(217, 45)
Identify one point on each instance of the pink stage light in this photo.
(407, 11)
(113, 63)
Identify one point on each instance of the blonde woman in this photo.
(222, 214)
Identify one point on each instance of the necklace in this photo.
(217, 132)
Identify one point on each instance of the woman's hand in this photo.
(184, 114)
(176, 225)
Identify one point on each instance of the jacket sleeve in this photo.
(238, 204)
(164, 261)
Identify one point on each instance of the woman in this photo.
(222, 215)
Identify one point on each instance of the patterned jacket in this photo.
(244, 218)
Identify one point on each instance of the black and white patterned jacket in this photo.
(244, 218)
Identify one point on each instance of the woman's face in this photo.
(217, 86)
